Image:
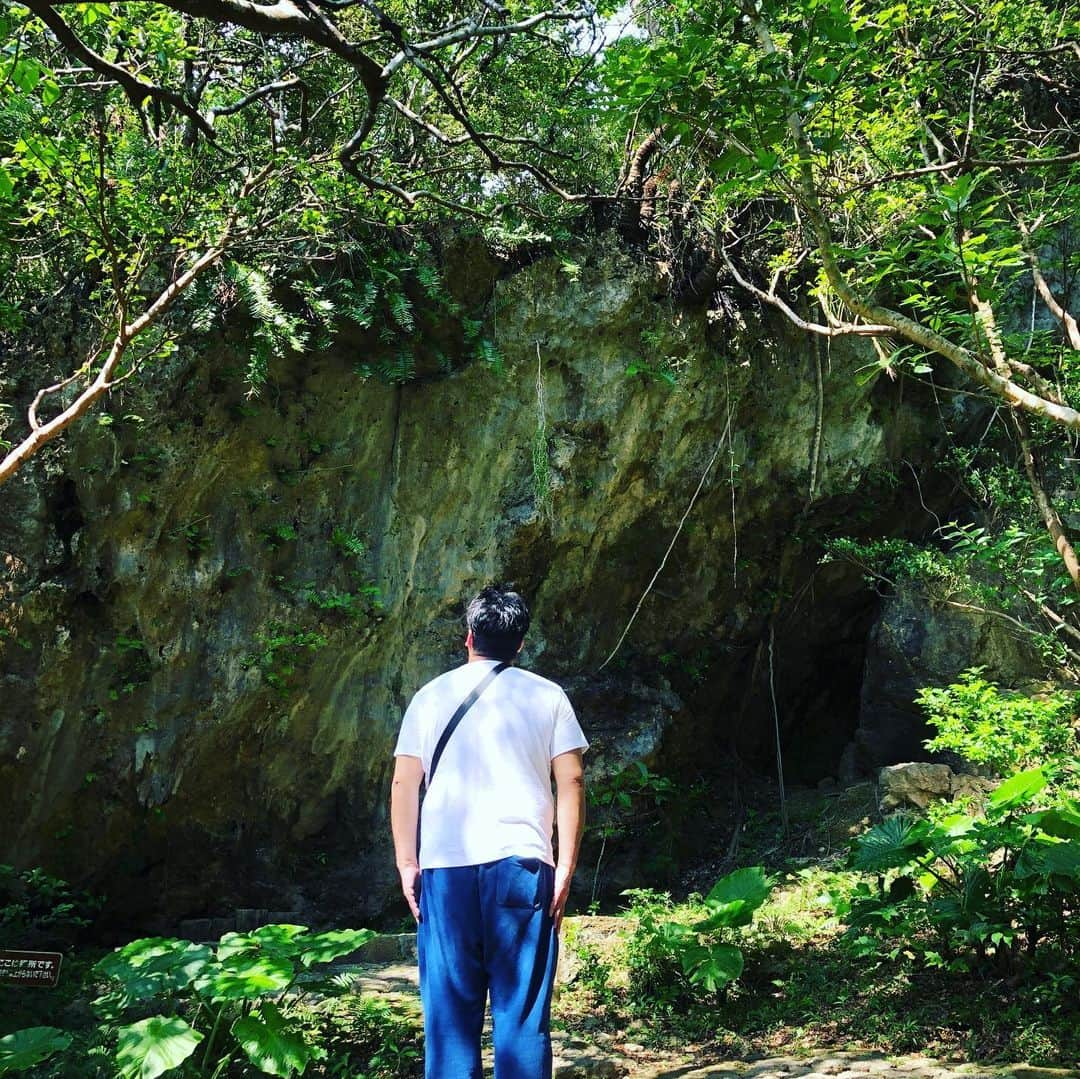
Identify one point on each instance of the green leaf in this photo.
(1063, 860)
(147, 1049)
(30, 1046)
(750, 885)
(1064, 821)
(25, 74)
(50, 92)
(1016, 790)
(245, 977)
(892, 843)
(713, 966)
(270, 1044)
(275, 940)
(325, 947)
(154, 965)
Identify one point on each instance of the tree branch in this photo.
(135, 88)
(126, 333)
(908, 328)
(256, 95)
(1067, 321)
(966, 163)
(842, 329)
(473, 29)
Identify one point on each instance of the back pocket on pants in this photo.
(518, 883)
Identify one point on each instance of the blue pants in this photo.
(487, 927)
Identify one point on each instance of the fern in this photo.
(488, 352)
(276, 331)
(322, 312)
(401, 309)
(402, 368)
(357, 303)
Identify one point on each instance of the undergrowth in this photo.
(804, 990)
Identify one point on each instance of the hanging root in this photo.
(631, 191)
(663, 562)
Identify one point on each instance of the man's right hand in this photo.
(410, 884)
(404, 813)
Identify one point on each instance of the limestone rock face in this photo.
(216, 607)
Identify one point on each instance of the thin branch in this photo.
(125, 335)
(1052, 615)
(1066, 320)
(842, 329)
(256, 95)
(473, 29)
(411, 198)
(136, 89)
(1038, 383)
(967, 163)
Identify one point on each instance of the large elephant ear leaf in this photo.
(280, 940)
(270, 1044)
(1016, 790)
(750, 886)
(245, 977)
(151, 1047)
(713, 966)
(892, 843)
(325, 947)
(30, 1046)
(155, 965)
(734, 898)
(1062, 821)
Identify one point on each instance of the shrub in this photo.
(41, 911)
(370, 1038)
(984, 894)
(172, 1003)
(1002, 731)
(678, 954)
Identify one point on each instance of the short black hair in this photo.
(498, 619)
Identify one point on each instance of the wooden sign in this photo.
(30, 968)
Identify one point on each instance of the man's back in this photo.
(491, 796)
(489, 899)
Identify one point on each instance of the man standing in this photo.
(484, 885)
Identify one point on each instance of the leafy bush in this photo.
(675, 955)
(593, 971)
(212, 1004)
(40, 911)
(1003, 731)
(982, 894)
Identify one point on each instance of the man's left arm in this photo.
(570, 823)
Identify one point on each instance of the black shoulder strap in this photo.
(459, 715)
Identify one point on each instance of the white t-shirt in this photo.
(491, 796)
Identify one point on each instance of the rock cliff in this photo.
(216, 607)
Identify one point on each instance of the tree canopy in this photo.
(144, 144)
(904, 172)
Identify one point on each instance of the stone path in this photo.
(389, 970)
(850, 1066)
